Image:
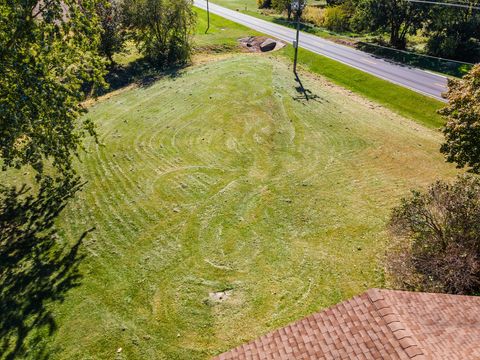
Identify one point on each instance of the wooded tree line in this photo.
(451, 32)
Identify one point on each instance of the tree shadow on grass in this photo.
(140, 72)
(36, 269)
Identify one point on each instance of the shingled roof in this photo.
(379, 324)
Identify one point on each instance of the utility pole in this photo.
(297, 6)
(296, 44)
(208, 17)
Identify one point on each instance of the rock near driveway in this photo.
(268, 45)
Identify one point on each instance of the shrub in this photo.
(313, 15)
(336, 19)
(436, 239)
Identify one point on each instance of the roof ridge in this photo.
(394, 322)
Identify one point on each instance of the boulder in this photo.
(268, 45)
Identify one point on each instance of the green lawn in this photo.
(406, 102)
(222, 35)
(411, 104)
(224, 178)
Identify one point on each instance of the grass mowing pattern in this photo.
(223, 178)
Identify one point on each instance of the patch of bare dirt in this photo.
(260, 44)
(220, 296)
(346, 42)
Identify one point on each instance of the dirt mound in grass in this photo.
(261, 44)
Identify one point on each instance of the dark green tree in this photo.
(49, 59)
(462, 130)
(397, 17)
(162, 29)
(454, 33)
(112, 38)
(264, 4)
(283, 5)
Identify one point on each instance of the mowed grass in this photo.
(224, 178)
(405, 102)
(222, 35)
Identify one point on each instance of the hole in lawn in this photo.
(220, 296)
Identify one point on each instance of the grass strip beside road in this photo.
(406, 102)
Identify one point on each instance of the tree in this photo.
(398, 17)
(286, 5)
(264, 4)
(454, 32)
(436, 239)
(462, 130)
(112, 38)
(283, 5)
(49, 59)
(162, 29)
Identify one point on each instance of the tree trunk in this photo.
(397, 41)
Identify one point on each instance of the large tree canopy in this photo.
(162, 29)
(398, 17)
(48, 57)
(462, 130)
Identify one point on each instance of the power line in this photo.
(459, 5)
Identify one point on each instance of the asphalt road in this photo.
(415, 79)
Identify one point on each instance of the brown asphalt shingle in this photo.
(379, 324)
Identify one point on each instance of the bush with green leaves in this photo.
(336, 18)
(436, 239)
(162, 29)
(313, 15)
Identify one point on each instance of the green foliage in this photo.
(264, 4)
(48, 57)
(283, 5)
(162, 29)
(462, 130)
(398, 17)
(112, 38)
(336, 19)
(313, 15)
(436, 239)
(454, 33)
